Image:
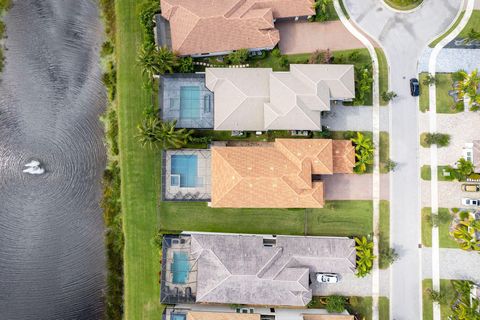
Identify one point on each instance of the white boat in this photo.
(34, 170)
(33, 163)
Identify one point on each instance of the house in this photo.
(282, 174)
(257, 270)
(223, 312)
(216, 27)
(258, 99)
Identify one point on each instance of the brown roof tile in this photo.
(343, 156)
(205, 26)
(277, 176)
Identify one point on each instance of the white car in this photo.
(327, 277)
(471, 202)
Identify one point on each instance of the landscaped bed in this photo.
(403, 4)
(445, 102)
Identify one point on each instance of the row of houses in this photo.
(266, 277)
(213, 276)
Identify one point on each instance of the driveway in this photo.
(343, 118)
(404, 37)
(353, 187)
(450, 194)
(454, 264)
(301, 37)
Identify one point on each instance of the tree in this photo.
(465, 167)
(467, 84)
(362, 142)
(465, 233)
(363, 84)
(437, 296)
(472, 36)
(365, 256)
(440, 139)
(430, 80)
(185, 65)
(388, 96)
(335, 304)
(389, 255)
(165, 59)
(154, 133)
(238, 57)
(147, 61)
(316, 57)
(364, 158)
(321, 7)
(391, 165)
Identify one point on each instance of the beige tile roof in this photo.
(192, 315)
(278, 175)
(207, 26)
(259, 99)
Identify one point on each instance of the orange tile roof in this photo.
(206, 26)
(275, 176)
(343, 156)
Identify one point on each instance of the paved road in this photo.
(404, 36)
(450, 268)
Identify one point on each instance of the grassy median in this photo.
(140, 173)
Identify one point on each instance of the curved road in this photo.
(404, 36)
(52, 263)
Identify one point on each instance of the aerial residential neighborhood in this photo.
(240, 159)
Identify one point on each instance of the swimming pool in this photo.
(180, 267)
(190, 102)
(177, 316)
(184, 166)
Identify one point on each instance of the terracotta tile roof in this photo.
(343, 156)
(192, 315)
(207, 26)
(278, 175)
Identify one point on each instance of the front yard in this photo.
(445, 102)
(447, 289)
(338, 218)
(445, 240)
(426, 173)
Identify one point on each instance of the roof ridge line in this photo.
(233, 169)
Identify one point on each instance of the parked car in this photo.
(327, 277)
(471, 202)
(471, 187)
(414, 87)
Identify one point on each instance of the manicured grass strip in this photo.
(427, 302)
(426, 173)
(445, 240)
(361, 306)
(424, 93)
(426, 227)
(454, 25)
(384, 231)
(345, 12)
(450, 294)
(140, 173)
(445, 102)
(383, 74)
(384, 151)
(383, 308)
(403, 4)
(473, 23)
(338, 218)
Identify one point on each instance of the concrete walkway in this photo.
(403, 37)
(435, 263)
(302, 37)
(376, 155)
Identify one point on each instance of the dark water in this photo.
(52, 263)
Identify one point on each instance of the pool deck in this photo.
(202, 192)
(170, 100)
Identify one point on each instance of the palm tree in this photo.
(362, 142)
(147, 132)
(166, 60)
(364, 158)
(467, 84)
(472, 35)
(363, 244)
(465, 167)
(170, 137)
(148, 61)
(464, 233)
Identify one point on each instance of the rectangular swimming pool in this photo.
(189, 102)
(186, 167)
(180, 267)
(178, 316)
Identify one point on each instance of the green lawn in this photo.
(361, 306)
(473, 23)
(384, 151)
(454, 25)
(403, 4)
(383, 308)
(426, 173)
(383, 74)
(445, 241)
(424, 93)
(445, 103)
(338, 218)
(332, 14)
(384, 230)
(140, 173)
(427, 302)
